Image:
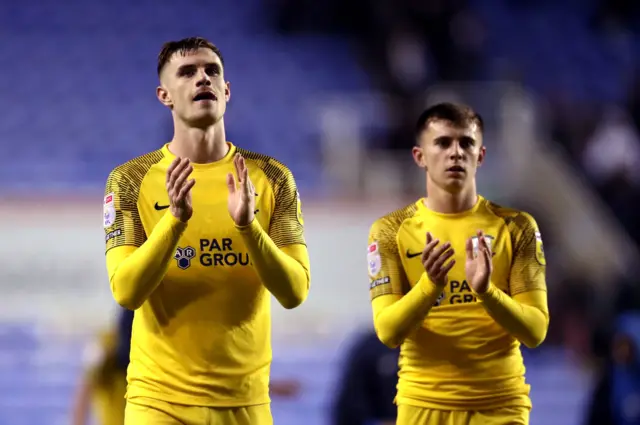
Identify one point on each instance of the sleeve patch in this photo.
(112, 234)
(380, 281)
(540, 250)
(109, 211)
(374, 261)
(299, 209)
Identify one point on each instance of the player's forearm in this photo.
(393, 323)
(285, 276)
(525, 316)
(135, 275)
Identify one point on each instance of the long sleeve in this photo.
(524, 314)
(395, 317)
(136, 262)
(397, 311)
(280, 255)
(134, 273)
(283, 271)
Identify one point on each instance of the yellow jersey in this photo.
(460, 357)
(203, 337)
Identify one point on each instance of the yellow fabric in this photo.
(157, 412)
(284, 272)
(525, 316)
(455, 353)
(202, 335)
(132, 281)
(396, 317)
(411, 415)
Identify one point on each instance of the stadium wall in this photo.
(53, 268)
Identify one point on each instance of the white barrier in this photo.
(53, 269)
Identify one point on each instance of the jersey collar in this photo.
(228, 158)
(423, 209)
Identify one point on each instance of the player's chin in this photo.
(454, 184)
(454, 177)
(204, 118)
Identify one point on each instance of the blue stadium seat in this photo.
(84, 87)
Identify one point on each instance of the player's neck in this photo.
(445, 202)
(200, 146)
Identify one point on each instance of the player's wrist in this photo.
(175, 221)
(429, 287)
(179, 215)
(488, 292)
(251, 225)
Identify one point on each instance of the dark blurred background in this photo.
(332, 89)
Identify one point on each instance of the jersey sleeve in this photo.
(528, 266)
(287, 223)
(122, 224)
(386, 275)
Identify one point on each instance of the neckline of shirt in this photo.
(228, 158)
(423, 209)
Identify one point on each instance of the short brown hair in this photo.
(184, 46)
(456, 114)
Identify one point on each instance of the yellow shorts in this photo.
(411, 415)
(146, 411)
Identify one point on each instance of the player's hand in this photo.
(242, 198)
(479, 264)
(179, 189)
(434, 260)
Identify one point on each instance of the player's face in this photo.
(193, 87)
(450, 154)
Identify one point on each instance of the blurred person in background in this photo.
(461, 300)
(367, 384)
(103, 385)
(102, 388)
(200, 276)
(616, 396)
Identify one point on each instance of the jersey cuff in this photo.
(172, 221)
(428, 287)
(491, 292)
(254, 226)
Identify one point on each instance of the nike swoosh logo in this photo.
(160, 207)
(413, 254)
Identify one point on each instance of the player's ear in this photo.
(481, 155)
(227, 90)
(418, 157)
(164, 97)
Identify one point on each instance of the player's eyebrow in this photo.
(192, 67)
(442, 139)
(463, 140)
(183, 69)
